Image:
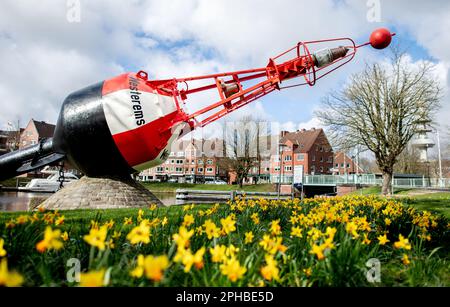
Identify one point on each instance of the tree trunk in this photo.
(387, 183)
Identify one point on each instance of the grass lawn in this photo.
(172, 187)
(292, 244)
(438, 202)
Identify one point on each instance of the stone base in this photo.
(101, 193)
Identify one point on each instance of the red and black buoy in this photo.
(126, 124)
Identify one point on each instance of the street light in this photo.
(280, 154)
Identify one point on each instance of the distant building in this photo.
(343, 164)
(308, 150)
(9, 140)
(34, 132)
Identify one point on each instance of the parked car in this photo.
(173, 180)
(215, 181)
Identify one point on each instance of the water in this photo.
(23, 201)
(20, 201)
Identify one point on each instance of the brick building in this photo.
(309, 150)
(9, 140)
(343, 164)
(34, 132)
(190, 161)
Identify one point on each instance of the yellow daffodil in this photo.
(232, 269)
(272, 245)
(402, 243)
(50, 241)
(153, 207)
(2, 249)
(152, 266)
(296, 232)
(10, 224)
(188, 259)
(318, 251)
(275, 227)
(270, 270)
(164, 221)
(211, 230)
(140, 234)
(228, 224)
(366, 240)
(65, 236)
(255, 218)
(9, 278)
(382, 240)
(188, 220)
(182, 237)
(97, 237)
(127, 220)
(109, 224)
(93, 279)
(387, 221)
(248, 237)
(218, 253)
(22, 219)
(60, 220)
(116, 235)
(405, 259)
(351, 228)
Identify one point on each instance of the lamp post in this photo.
(441, 182)
(280, 154)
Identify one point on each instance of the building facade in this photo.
(303, 152)
(343, 164)
(34, 132)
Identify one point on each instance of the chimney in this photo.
(303, 130)
(313, 129)
(283, 133)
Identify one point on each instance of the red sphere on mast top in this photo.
(381, 38)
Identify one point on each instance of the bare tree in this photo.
(380, 109)
(241, 147)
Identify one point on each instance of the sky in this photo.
(51, 48)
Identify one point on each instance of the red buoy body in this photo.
(380, 38)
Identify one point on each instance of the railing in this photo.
(206, 196)
(365, 179)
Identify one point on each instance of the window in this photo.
(288, 168)
(209, 169)
(167, 169)
(300, 157)
(321, 148)
(330, 159)
(159, 169)
(276, 158)
(192, 170)
(348, 165)
(321, 169)
(172, 161)
(172, 154)
(200, 169)
(267, 169)
(276, 168)
(288, 158)
(342, 165)
(179, 161)
(313, 158)
(337, 165)
(209, 162)
(179, 169)
(321, 159)
(317, 147)
(200, 161)
(313, 169)
(180, 154)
